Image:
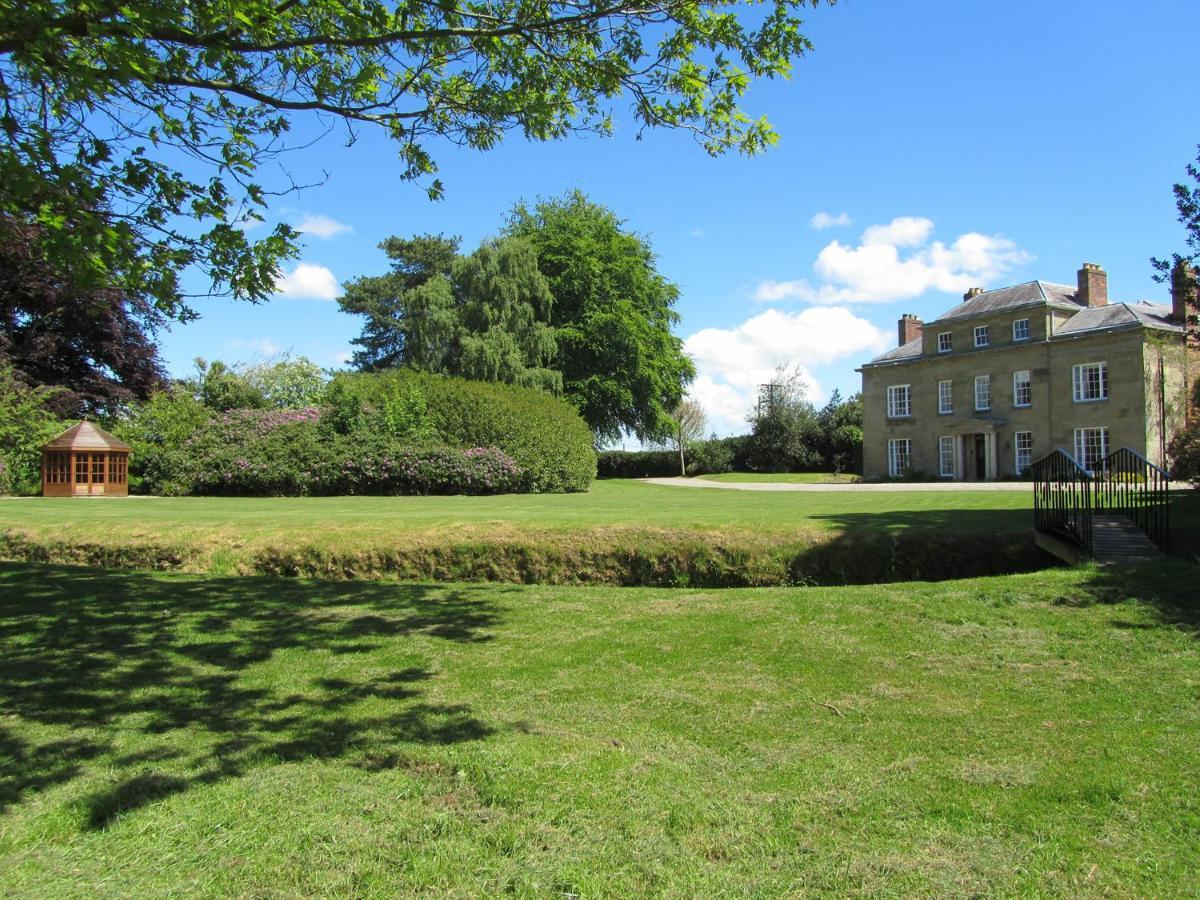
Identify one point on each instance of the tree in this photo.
(839, 431)
(784, 430)
(482, 317)
(1180, 269)
(135, 133)
(287, 383)
(26, 423)
(690, 422)
(221, 388)
(96, 346)
(613, 313)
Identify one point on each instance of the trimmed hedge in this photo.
(638, 464)
(543, 434)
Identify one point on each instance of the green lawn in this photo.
(783, 477)
(167, 735)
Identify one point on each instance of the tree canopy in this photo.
(482, 316)
(1180, 269)
(613, 314)
(135, 134)
(96, 345)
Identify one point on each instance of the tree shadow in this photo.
(1168, 587)
(922, 545)
(158, 674)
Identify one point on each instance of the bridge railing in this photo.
(1127, 484)
(1063, 498)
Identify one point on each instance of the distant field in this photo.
(1033, 735)
(783, 477)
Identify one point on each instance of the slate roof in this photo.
(1031, 293)
(86, 436)
(1045, 294)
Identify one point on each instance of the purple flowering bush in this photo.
(287, 453)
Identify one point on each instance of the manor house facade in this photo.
(1009, 375)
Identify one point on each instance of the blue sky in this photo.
(939, 145)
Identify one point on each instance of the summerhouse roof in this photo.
(86, 436)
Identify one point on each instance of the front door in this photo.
(980, 456)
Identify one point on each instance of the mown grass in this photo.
(783, 477)
(622, 532)
(1027, 735)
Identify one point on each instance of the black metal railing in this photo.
(1062, 498)
(1127, 484)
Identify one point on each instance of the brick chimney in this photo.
(1183, 293)
(1093, 285)
(909, 328)
(972, 292)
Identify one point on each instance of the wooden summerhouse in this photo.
(85, 461)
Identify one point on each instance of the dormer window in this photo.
(983, 336)
(1020, 330)
(945, 341)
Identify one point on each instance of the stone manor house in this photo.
(1009, 375)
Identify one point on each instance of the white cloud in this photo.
(732, 363)
(696, 233)
(823, 220)
(308, 281)
(321, 226)
(342, 358)
(876, 271)
(258, 346)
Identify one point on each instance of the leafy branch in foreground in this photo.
(134, 134)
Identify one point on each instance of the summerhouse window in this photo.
(82, 470)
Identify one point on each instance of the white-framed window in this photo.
(1091, 446)
(946, 456)
(1020, 329)
(899, 401)
(983, 336)
(945, 341)
(1022, 389)
(1090, 382)
(1024, 450)
(983, 392)
(945, 398)
(899, 456)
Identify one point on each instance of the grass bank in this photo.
(1026, 735)
(622, 532)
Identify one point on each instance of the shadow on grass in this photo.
(923, 545)
(1167, 586)
(154, 674)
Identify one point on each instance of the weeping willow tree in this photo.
(483, 316)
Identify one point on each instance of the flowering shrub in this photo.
(285, 453)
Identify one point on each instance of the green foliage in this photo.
(287, 383)
(156, 429)
(1184, 453)
(102, 101)
(785, 433)
(221, 388)
(544, 435)
(717, 455)
(637, 463)
(613, 313)
(1179, 270)
(839, 433)
(482, 317)
(403, 414)
(25, 425)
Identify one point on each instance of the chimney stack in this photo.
(1093, 285)
(972, 292)
(909, 328)
(1183, 293)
